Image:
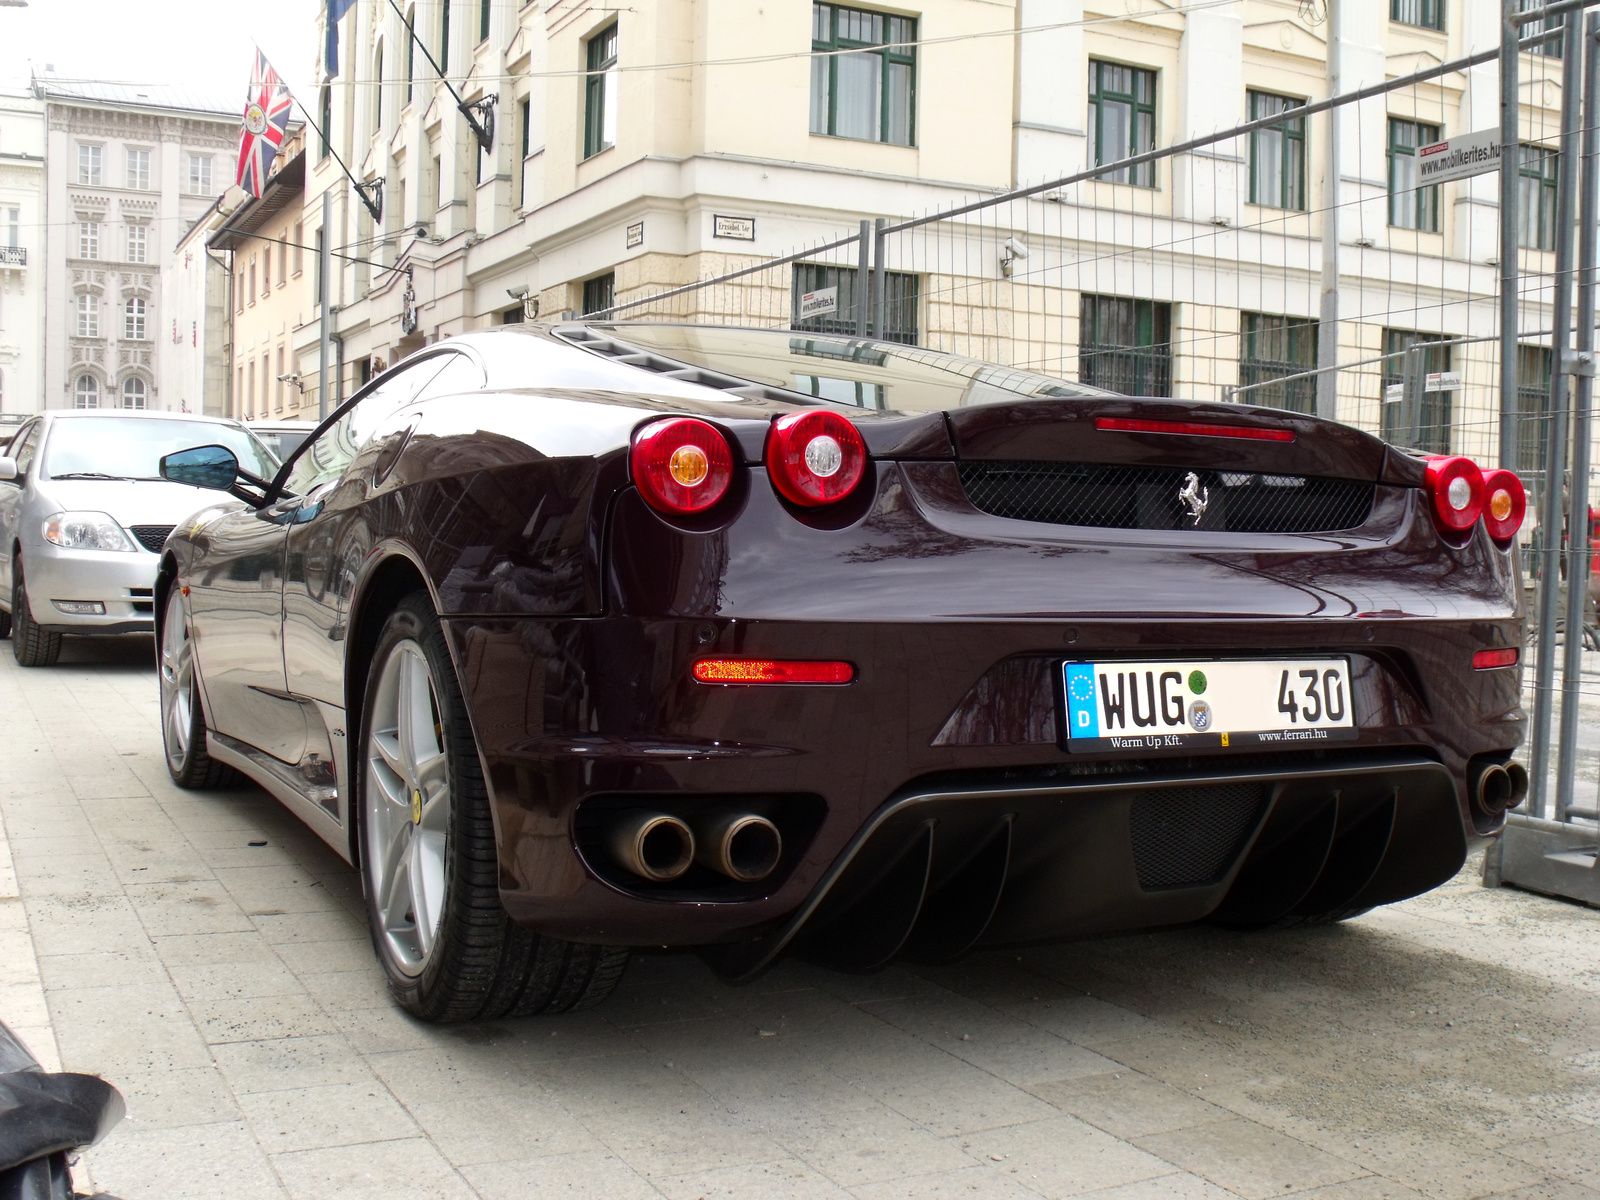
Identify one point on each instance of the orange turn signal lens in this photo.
(766, 670)
(1500, 656)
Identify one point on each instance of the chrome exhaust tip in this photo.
(652, 845)
(1494, 791)
(1519, 783)
(742, 846)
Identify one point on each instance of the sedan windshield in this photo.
(132, 447)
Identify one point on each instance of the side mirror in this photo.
(214, 467)
(8, 469)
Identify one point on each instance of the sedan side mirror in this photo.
(8, 469)
(214, 467)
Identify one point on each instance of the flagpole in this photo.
(324, 267)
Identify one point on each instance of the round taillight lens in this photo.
(815, 457)
(681, 465)
(1505, 503)
(1456, 485)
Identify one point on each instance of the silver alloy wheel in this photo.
(177, 682)
(407, 807)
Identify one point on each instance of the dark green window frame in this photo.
(1533, 409)
(599, 90)
(444, 37)
(1433, 419)
(599, 293)
(1410, 206)
(902, 295)
(411, 51)
(1272, 346)
(1277, 153)
(483, 20)
(1125, 345)
(1550, 48)
(1122, 120)
(882, 47)
(325, 111)
(1536, 197)
(1423, 14)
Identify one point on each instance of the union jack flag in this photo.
(266, 122)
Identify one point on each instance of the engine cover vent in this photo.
(1190, 837)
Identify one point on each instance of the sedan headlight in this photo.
(86, 531)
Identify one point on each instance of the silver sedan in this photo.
(83, 516)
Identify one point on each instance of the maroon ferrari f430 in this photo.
(574, 638)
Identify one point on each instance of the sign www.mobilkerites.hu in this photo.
(1459, 158)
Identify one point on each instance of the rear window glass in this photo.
(132, 447)
(851, 371)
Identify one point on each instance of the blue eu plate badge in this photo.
(1083, 717)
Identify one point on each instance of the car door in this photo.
(331, 533)
(12, 494)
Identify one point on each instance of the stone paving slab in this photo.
(1447, 1048)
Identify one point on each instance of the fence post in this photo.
(863, 281)
(1550, 506)
(1578, 503)
(880, 242)
(1510, 160)
(1413, 377)
(1327, 401)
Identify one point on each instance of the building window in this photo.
(599, 293)
(250, 390)
(266, 272)
(1271, 347)
(133, 392)
(88, 239)
(1536, 198)
(199, 174)
(283, 263)
(277, 391)
(483, 20)
(251, 291)
(525, 117)
(1550, 48)
(1277, 154)
(1427, 14)
(86, 392)
(325, 112)
(871, 94)
(137, 243)
(299, 247)
(88, 316)
(89, 165)
(133, 314)
(1410, 206)
(1533, 408)
(139, 170)
(901, 295)
(1427, 428)
(1122, 120)
(438, 186)
(14, 223)
(411, 51)
(600, 93)
(316, 271)
(444, 37)
(1125, 345)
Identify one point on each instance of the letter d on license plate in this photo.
(1146, 707)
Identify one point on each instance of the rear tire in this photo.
(5, 625)
(32, 646)
(429, 861)
(183, 720)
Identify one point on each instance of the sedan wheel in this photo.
(429, 860)
(32, 646)
(183, 726)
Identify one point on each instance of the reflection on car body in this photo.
(583, 637)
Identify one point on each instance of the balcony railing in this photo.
(13, 256)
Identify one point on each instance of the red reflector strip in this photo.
(1194, 429)
(766, 670)
(1487, 660)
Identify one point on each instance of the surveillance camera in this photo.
(518, 293)
(1015, 249)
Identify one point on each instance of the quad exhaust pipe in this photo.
(743, 846)
(1496, 788)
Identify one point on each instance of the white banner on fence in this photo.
(823, 300)
(1460, 157)
(1442, 381)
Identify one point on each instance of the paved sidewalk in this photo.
(208, 955)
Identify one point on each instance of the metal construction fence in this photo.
(1217, 268)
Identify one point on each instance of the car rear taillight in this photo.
(767, 670)
(1504, 505)
(815, 457)
(681, 465)
(1500, 656)
(1456, 486)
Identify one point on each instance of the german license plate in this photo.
(1151, 706)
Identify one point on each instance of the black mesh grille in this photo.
(151, 537)
(1119, 497)
(1189, 837)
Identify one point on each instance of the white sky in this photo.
(187, 43)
